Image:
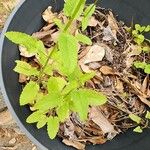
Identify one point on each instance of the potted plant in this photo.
(66, 83)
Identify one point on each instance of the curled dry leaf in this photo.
(93, 22)
(119, 86)
(75, 144)
(106, 70)
(42, 34)
(22, 78)
(95, 54)
(24, 52)
(97, 140)
(112, 22)
(98, 118)
(54, 36)
(48, 15)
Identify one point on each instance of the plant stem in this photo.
(73, 16)
(65, 29)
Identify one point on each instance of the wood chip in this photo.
(93, 22)
(74, 144)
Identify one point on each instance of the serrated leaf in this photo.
(70, 87)
(56, 84)
(147, 116)
(34, 117)
(82, 98)
(52, 126)
(25, 68)
(80, 104)
(87, 14)
(63, 111)
(29, 93)
(70, 6)
(138, 129)
(86, 77)
(32, 44)
(135, 118)
(140, 65)
(147, 69)
(48, 70)
(49, 101)
(68, 47)
(84, 39)
(42, 121)
(59, 23)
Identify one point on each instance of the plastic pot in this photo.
(27, 18)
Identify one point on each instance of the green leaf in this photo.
(63, 111)
(34, 117)
(138, 129)
(29, 93)
(82, 98)
(94, 98)
(68, 47)
(139, 39)
(135, 118)
(80, 104)
(25, 68)
(70, 87)
(59, 23)
(147, 116)
(146, 49)
(137, 27)
(86, 16)
(48, 70)
(147, 29)
(70, 7)
(140, 65)
(42, 121)
(52, 126)
(147, 69)
(86, 77)
(49, 101)
(56, 84)
(32, 44)
(84, 39)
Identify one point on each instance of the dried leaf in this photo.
(106, 70)
(144, 85)
(74, 144)
(24, 52)
(22, 78)
(98, 118)
(41, 35)
(97, 140)
(119, 86)
(96, 53)
(48, 15)
(54, 36)
(93, 22)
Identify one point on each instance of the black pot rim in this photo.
(2, 86)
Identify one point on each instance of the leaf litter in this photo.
(111, 57)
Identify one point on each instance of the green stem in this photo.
(73, 16)
(65, 29)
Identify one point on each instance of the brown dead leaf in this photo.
(75, 144)
(112, 22)
(94, 65)
(48, 27)
(48, 15)
(22, 78)
(24, 52)
(98, 118)
(119, 86)
(97, 140)
(95, 54)
(106, 70)
(93, 22)
(42, 34)
(55, 36)
(145, 84)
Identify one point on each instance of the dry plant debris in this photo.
(111, 56)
